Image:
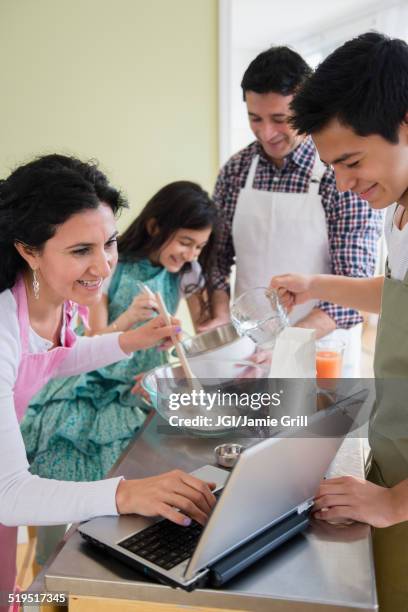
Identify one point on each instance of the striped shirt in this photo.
(353, 227)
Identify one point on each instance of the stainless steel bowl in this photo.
(219, 339)
(227, 454)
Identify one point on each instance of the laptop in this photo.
(262, 503)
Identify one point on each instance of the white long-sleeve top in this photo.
(30, 500)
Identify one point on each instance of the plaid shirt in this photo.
(353, 227)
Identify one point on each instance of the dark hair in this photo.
(178, 205)
(38, 197)
(363, 84)
(278, 69)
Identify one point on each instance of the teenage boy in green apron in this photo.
(355, 106)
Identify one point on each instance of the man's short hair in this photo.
(278, 69)
(363, 84)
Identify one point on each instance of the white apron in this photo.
(279, 233)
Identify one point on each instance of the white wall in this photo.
(313, 28)
(132, 83)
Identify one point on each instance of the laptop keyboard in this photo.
(164, 543)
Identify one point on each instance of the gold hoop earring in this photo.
(36, 286)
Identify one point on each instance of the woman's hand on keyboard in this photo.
(164, 495)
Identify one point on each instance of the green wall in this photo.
(132, 83)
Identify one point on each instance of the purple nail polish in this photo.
(187, 521)
(178, 330)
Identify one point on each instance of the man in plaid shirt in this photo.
(272, 222)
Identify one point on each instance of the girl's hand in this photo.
(262, 357)
(137, 389)
(292, 289)
(357, 499)
(262, 364)
(163, 495)
(150, 334)
(142, 308)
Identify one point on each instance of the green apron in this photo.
(389, 439)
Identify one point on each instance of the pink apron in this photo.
(34, 371)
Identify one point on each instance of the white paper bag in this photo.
(294, 355)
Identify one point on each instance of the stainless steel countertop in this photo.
(325, 568)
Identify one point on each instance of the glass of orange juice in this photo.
(329, 359)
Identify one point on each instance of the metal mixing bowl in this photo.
(222, 342)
